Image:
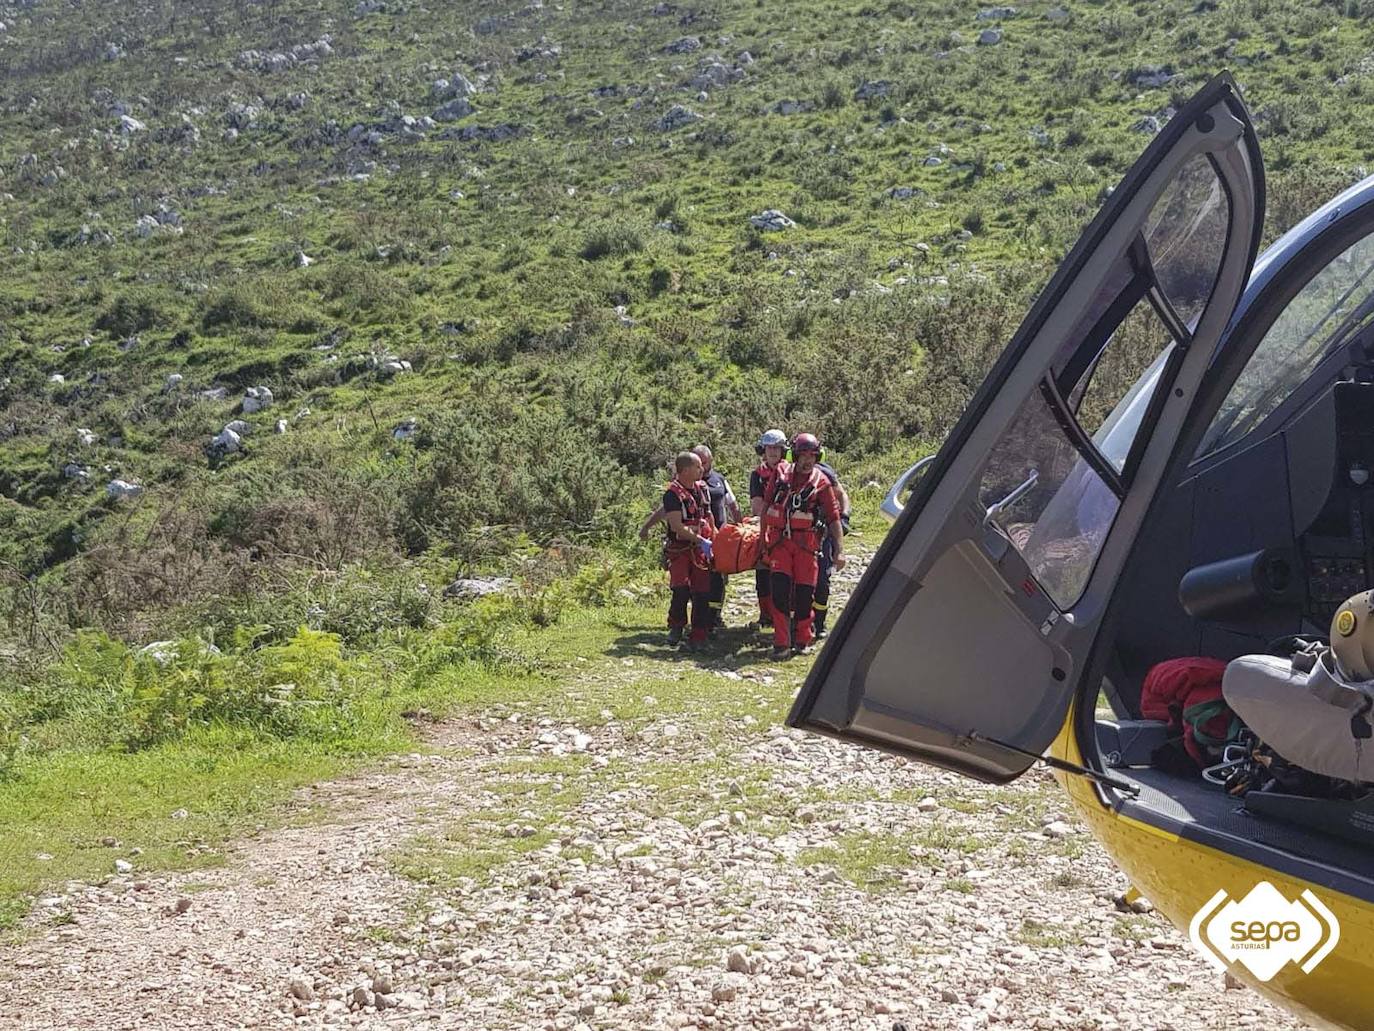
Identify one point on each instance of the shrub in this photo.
(134, 311)
(612, 237)
(263, 303)
(364, 288)
(11, 738)
(303, 687)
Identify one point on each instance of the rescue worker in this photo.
(724, 508)
(800, 502)
(770, 449)
(687, 550)
(821, 603)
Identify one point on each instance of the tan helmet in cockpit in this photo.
(1352, 637)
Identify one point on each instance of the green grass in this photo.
(1041, 935)
(870, 861)
(473, 851)
(67, 803)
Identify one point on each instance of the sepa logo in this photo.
(1264, 931)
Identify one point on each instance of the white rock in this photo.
(676, 117)
(771, 220)
(303, 260)
(255, 399)
(123, 866)
(280, 427)
(476, 587)
(173, 381)
(57, 377)
(86, 437)
(128, 125)
(1057, 829)
(118, 489)
(455, 109)
(226, 442)
(406, 429)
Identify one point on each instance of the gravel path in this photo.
(669, 871)
(626, 917)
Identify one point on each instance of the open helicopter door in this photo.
(968, 635)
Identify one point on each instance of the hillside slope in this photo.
(495, 264)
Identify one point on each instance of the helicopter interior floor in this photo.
(1205, 812)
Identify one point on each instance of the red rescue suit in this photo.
(689, 573)
(794, 519)
(761, 484)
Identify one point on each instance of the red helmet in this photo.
(804, 442)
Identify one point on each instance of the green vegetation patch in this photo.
(873, 862)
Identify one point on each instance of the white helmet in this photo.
(771, 438)
(1352, 637)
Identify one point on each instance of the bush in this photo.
(11, 738)
(523, 467)
(362, 288)
(612, 237)
(134, 311)
(303, 687)
(262, 303)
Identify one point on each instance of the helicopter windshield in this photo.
(1334, 305)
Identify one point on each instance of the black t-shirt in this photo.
(717, 488)
(757, 484)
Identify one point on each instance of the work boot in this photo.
(675, 635)
(801, 649)
(781, 652)
(766, 622)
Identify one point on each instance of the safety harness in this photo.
(793, 511)
(696, 515)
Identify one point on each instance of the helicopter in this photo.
(1173, 456)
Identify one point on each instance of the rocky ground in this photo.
(679, 868)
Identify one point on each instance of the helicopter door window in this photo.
(1059, 522)
(1186, 237)
(1109, 400)
(1054, 484)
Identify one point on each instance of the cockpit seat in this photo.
(1305, 711)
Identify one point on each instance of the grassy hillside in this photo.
(494, 265)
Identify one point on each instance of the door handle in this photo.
(996, 509)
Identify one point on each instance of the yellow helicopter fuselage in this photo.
(1180, 876)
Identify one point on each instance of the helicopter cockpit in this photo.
(1268, 532)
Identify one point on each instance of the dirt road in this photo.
(677, 861)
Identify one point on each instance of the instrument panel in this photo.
(1336, 546)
